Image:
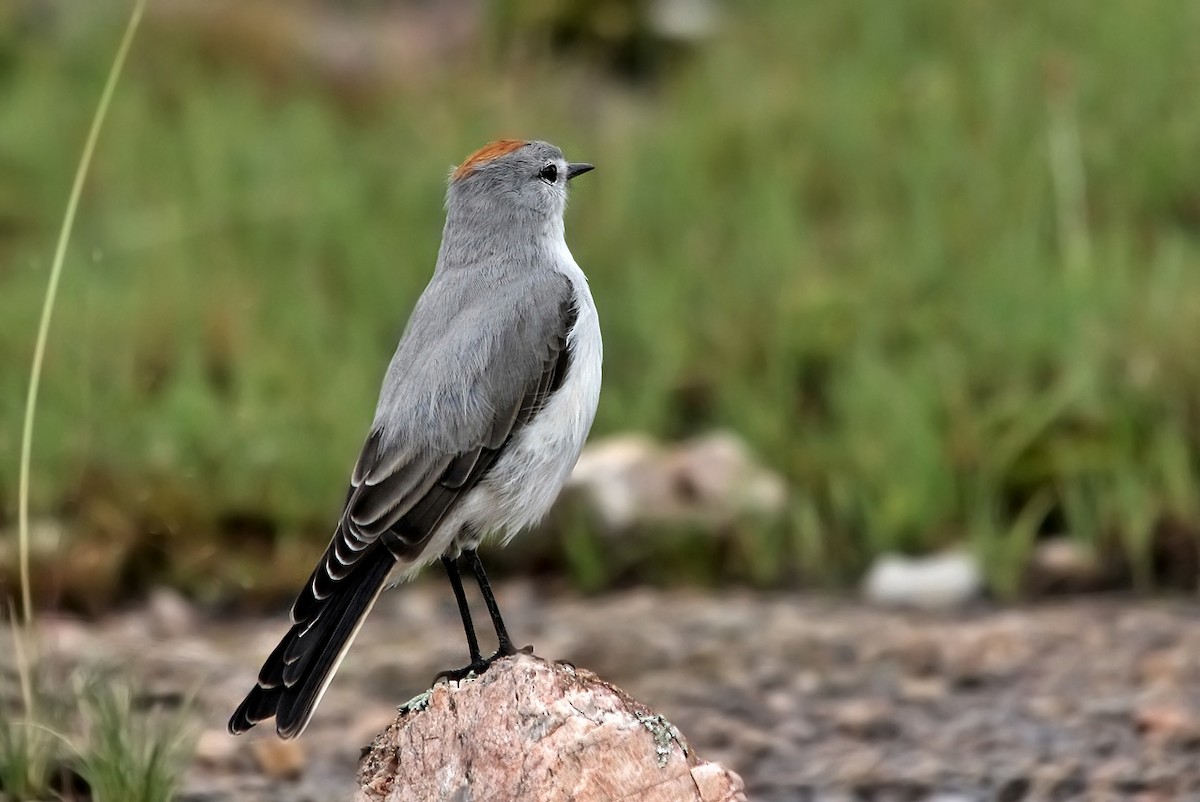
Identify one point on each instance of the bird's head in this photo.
(511, 176)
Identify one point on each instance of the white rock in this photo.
(708, 482)
(938, 582)
(684, 20)
(612, 474)
(722, 479)
(169, 613)
(47, 537)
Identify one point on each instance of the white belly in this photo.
(520, 489)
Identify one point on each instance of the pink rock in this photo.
(529, 730)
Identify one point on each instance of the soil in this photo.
(807, 698)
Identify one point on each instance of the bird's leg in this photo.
(505, 646)
(477, 665)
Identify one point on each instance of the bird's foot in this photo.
(481, 664)
(474, 668)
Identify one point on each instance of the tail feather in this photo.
(294, 677)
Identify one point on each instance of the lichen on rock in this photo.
(664, 733)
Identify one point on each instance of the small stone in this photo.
(1173, 723)
(939, 582)
(169, 614)
(923, 689)
(867, 719)
(279, 760)
(68, 636)
(1046, 707)
(1064, 565)
(684, 20)
(217, 749)
(1108, 707)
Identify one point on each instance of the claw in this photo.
(477, 667)
(459, 674)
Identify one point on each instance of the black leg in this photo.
(506, 648)
(477, 664)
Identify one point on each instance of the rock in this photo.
(217, 749)
(530, 729)
(923, 689)
(709, 482)
(279, 760)
(169, 614)
(683, 20)
(613, 474)
(1064, 565)
(939, 582)
(1171, 723)
(866, 719)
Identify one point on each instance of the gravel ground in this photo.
(807, 698)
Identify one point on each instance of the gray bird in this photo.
(482, 414)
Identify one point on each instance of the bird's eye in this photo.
(549, 174)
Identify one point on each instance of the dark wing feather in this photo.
(394, 505)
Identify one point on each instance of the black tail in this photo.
(294, 677)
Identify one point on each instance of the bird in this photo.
(482, 414)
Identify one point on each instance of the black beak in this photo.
(578, 168)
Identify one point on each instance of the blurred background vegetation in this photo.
(937, 261)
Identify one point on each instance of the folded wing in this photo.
(401, 489)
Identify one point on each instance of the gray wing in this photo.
(449, 407)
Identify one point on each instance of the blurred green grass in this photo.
(854, 233)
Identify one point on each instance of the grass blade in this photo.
(39, 349)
